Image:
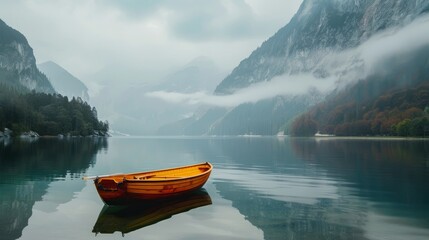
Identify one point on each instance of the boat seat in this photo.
(142, 177)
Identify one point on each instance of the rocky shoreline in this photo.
(7, 134)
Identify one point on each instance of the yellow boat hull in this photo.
(159, 184)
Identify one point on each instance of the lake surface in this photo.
(260, 188)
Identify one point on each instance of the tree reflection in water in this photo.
(27, 169)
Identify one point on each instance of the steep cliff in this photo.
(18, 64)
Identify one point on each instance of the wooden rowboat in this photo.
(119, 189)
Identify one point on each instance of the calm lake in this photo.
(260, 188)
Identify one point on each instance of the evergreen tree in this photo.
(47, 114)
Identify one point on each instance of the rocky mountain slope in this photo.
(17, 63)
(317, 29)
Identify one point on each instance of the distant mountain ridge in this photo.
(200, 74)
(307, 45)
(64, 82)
(17, 63)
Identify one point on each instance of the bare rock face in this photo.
(18, 64)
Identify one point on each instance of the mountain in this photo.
(200, 74)
(392, 98)
(329, 42)
(17, 63)
(130, 110)
(265, 117)
(64, 82)
(318, 28)
(28, 102)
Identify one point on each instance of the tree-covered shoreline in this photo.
(402, 112)
(48, 114)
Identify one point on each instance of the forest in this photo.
(47, 114)
(401, 112)
(392, 101)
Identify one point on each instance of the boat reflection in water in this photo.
(126, 219)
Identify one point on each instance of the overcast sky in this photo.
(144, 40)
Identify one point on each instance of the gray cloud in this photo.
(151, 38)
(135, 8)
(196, 20)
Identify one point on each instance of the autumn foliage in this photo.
(398, 112)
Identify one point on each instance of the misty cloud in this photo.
(363, 61)
(153, 37)
(338, 68)
(283, 85)
(213, 19)
(395, 41)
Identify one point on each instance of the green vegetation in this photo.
(390, 102)
(418, 126)
(402, 112)
(47, 114)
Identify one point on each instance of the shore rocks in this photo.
(7, 133)
(29, 134)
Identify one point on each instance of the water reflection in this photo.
(126, 219)
(294, 220)
(287, 206)
(384, 171)
(289, 188)
(28, 169)
(305, 189)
